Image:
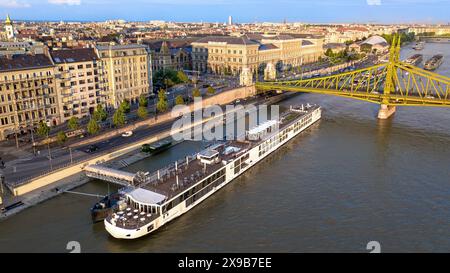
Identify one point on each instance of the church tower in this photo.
(9, 28)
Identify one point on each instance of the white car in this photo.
(127, 134)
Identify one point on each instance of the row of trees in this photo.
(163, 104)
(343, 55)
(404, 37)
(119, 117)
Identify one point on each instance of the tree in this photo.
(61, 136)
(119, 118)
(93, 127)
(43, 130)
(168, 83)
(142, 112)
(100, 113)
(329, 52)
(211, 90)
(73, 123)
(179, 100)
(125, 106)
(182, 77)
(162, 104)
(143, 101)
(196, 93)
(348, 42)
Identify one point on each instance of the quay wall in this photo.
(51, 178)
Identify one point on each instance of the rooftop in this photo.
(227, 39)
(24, 61)
(74, 55)
(120, 47)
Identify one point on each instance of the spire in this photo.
(8, 20)
(164, 47)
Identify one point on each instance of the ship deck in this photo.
(193, 171)
(189, 173)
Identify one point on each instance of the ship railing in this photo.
(161, 174)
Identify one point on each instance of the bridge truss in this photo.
(394, 83)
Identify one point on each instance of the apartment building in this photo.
(78, 81)
(126, 71)
(28, 93)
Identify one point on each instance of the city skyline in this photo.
(328, 11)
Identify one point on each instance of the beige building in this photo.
(28, 93)
(229, 55)
(224, 54)
(78, 82)
(126, 72)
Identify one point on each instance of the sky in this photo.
(243, 11)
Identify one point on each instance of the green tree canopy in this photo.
(125, 106)
(73, 123)
(100, 113)
(162, 104)
(168, 83)
(61, 136)
(119, 118)
(93, 127)
(329, 52)
(179, 100)
(143, 101)
(196, 93)
(182, 77)
(43, 130)
(211, 90)
(142, 112)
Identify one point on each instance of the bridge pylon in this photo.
(387, 110)
(270, 73)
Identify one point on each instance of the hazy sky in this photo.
(327, 11)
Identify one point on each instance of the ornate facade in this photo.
(229, 55)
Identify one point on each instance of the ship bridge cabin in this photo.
(209, 156)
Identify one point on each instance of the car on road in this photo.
(127, 134)
(91, 149)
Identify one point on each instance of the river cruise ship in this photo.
(170, 192)
(434, 62)
(415, 59)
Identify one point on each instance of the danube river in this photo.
(348, 180)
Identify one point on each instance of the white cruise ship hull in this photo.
(254, 157)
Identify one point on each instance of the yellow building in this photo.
(229, 55)
(28, 93)
(78, 81)
(126, 72)
(224, 54)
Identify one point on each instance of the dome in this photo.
(374, 40)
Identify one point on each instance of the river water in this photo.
(348, 180)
